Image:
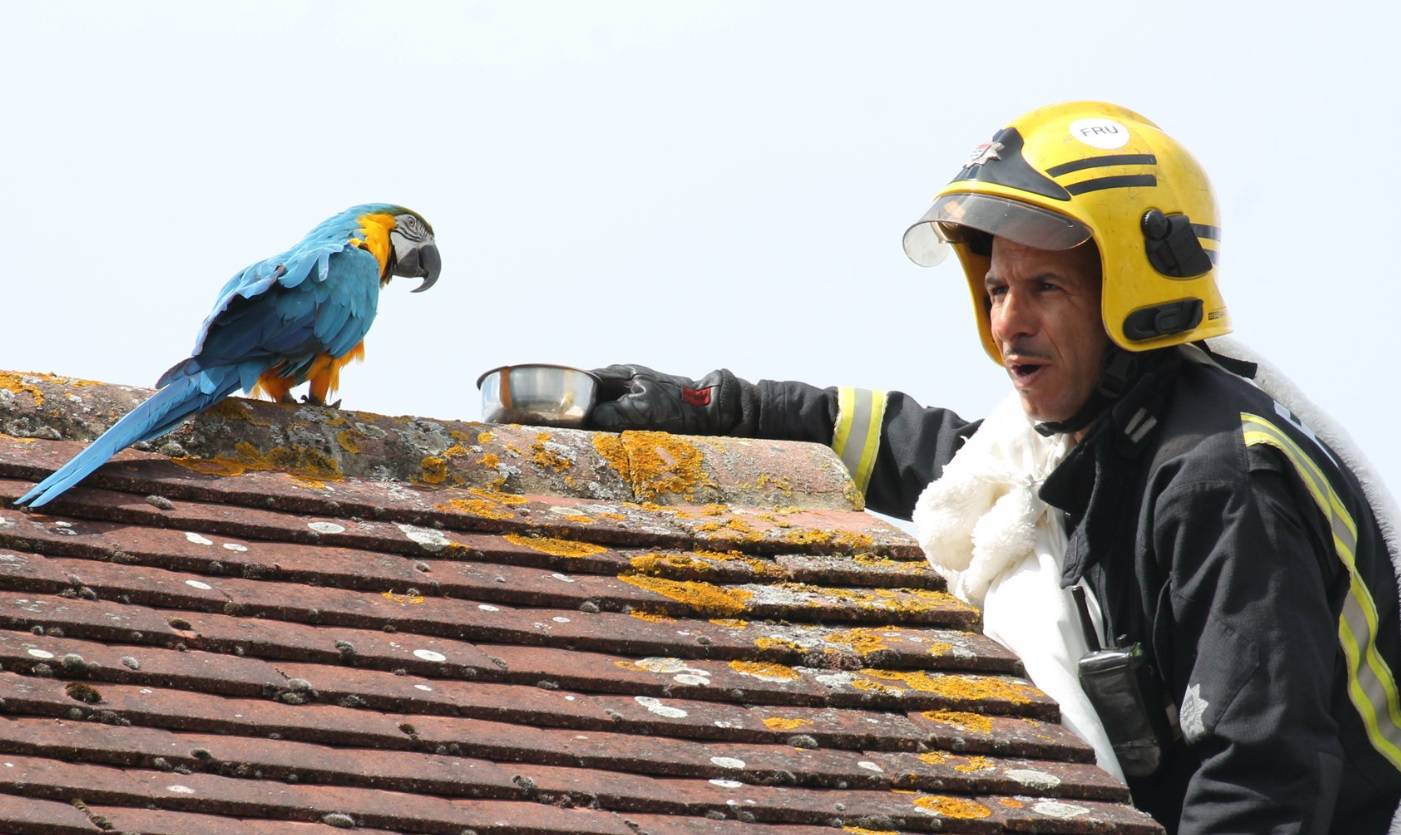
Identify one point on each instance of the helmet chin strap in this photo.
(1121, 369)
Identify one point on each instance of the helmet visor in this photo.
(927, 241)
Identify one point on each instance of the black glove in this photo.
(636, 397)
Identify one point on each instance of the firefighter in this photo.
(1230, 545)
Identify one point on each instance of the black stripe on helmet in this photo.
(1211, 233)
(1101, 162)
(1122, 181)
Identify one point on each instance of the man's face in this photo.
(1044, 311)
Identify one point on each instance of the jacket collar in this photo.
(1092, 484)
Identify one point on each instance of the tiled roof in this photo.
(331, 620)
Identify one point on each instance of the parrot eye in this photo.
(410, 227)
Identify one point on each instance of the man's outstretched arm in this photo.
(892, 446)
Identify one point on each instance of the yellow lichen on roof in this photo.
(485, 437)
(657, 563)
(875, 687)
(480, 508)
(703, 598)
(861, 640)
(730, 623)
(858, 830)
(651, 617)
(934, 757)
(13, 383)
(952, 807)
(305, 464)
(877, 561)
(961, 719)
(735, 525)
(778, 483)
(346, 439)
(904, 601)
(702, 562)
(765, 671)
(785, 723)
(555, 547)
(433, 470)
(940, 647)
(965, 688)
(497, 496)
(655, 464)
(547, 458)
(407, 599)
(850, 540)
(769, 642)
(974, 764)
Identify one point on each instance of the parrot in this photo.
(295, 317)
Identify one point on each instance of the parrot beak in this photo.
(430, 264)
(422, 262)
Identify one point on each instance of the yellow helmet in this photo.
(1070, 173)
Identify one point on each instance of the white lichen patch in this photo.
(727, 762)
(326, 527)
(679, 670)
(198, 584)
(1056, 809)
(431, 540)
(429, 655)
(234, 546)
(726, 784)
(656, 706)
(1033, 778)
(560, 619)
(195, 538)
(562, 578)
(425, 688)
(728, 724)
(6, 523)
(834, 680)
(870, 766)
(40, 653)
(178, 789)
(487, 607)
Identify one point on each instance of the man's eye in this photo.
(1047, 286)
(996, 292)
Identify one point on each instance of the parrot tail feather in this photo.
(159, 414)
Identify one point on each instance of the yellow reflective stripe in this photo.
(856, 437)
(846, 400)
(1371, 688)
(1300, 456)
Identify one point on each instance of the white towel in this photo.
(1001, 548)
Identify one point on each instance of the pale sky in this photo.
(684, 185)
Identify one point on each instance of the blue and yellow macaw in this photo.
(296, 317)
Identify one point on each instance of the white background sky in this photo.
(686, 185)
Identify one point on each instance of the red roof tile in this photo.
(310, 620)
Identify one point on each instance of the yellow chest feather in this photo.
(374, 231)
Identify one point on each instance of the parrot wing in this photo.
(291, 325)
(269, 279)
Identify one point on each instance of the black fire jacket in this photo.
(1239, 551)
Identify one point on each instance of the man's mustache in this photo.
(1025, 350)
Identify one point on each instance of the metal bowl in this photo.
(537, 394)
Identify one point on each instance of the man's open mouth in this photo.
(1024, 372)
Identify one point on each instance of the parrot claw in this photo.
(316, 401)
